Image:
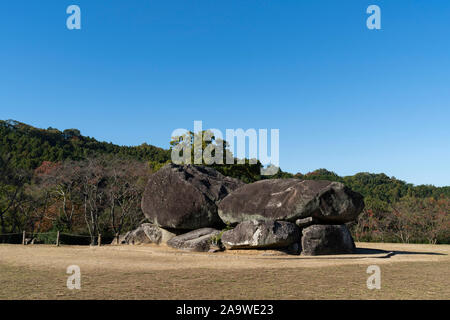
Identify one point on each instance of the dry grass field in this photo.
(158, 272)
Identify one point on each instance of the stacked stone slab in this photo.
(188, 205)
(320, 210)
(291, 199)
(260, 234)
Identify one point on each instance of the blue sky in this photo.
(344, 97)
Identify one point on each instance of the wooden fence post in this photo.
(99, 240)
(57, 239)
(23, 237)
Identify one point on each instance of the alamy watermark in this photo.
(374, 281)
(74, 280)
(74, 20)
(374, 20)
(208, 147)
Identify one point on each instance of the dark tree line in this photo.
(94, 196)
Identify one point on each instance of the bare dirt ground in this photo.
(408, 271)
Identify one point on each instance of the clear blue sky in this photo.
(344, 98)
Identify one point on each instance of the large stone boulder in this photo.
(256, 234)
(186, 196)
(292, 199)
(144, 234)
(326, 239)
(197, 240)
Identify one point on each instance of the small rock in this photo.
(198, 240)
(156, 234)
(146, 233)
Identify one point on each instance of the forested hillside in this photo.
(379, 189)
(52, 179)
(29, 146)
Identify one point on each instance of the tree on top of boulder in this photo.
(246, 172)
